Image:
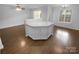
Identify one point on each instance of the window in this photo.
(65, 15)
(37, 14)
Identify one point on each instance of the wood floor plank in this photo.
(63, 41)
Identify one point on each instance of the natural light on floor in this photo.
(63, 36)
(23, 43)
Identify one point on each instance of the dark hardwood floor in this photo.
(63, 41)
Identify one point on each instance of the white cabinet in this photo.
(1, 45)
(39, 30)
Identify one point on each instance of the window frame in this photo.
(64, 19)
(39, 12)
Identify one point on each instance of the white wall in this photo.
(50, 13)
(11, 17)
(75, 17)
(1, 12)
(44, 10)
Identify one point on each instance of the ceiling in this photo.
(32, 5)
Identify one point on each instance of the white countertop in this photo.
(39, 23)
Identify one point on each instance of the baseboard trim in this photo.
(11, 26)
(23, 24)
(68, 28)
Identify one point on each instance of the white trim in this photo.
(64, 22)
(74, 28)
(68, 27)
(23, 24)
(10, 26)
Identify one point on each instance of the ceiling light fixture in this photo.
(18, 7)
